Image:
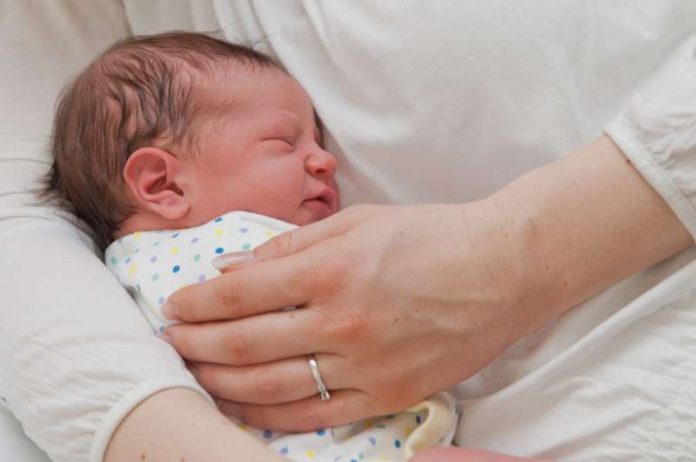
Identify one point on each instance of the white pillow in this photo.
(15, 444)
(43, 42)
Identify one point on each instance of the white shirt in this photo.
(423, 102)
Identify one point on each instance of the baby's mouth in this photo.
(323, 200)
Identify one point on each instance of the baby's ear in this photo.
(153, 177)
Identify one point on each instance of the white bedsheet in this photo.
(478, 92)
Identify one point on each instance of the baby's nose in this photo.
(321, 163)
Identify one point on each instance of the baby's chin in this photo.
(313, 210)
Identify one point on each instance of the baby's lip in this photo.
(325, 195)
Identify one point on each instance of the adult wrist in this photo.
(574, 227)
(503, 236)
(528, 233)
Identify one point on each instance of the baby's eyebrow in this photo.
(289, 120)
(281, 121)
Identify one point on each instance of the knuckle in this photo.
(393, 399)
(269, 386)
(329, 274)
(397, 396)
(237, 349)
(346, 325)
(230, 293)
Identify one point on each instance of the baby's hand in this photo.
(465, 455)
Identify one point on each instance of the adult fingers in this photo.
(258, 286)
(259, 339)
(306, 236)
(271, 383)
(308, 414)
(251, 290)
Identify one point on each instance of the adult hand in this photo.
(396, 303)
(399, 302)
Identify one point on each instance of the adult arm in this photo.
(484, 274)
(186, 427)
(78, 358)
(401, 302)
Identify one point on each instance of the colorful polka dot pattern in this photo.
(380, 439)
(153, 265)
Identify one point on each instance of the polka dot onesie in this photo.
(153, 265)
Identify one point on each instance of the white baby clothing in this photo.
(153, 265)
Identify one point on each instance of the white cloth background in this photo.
(66, 323)
(440, 101)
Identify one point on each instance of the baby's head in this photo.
(170, 131)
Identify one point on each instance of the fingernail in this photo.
(232, 258)
(169, 311)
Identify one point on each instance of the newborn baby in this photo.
(182, 147)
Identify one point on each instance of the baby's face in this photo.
(263, 154)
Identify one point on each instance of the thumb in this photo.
(299, 239)
(302, 238)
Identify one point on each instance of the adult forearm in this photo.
(180, 425)
(572, 228)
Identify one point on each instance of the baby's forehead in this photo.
(223, 92)
(239, 90)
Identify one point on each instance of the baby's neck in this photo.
(140, 221)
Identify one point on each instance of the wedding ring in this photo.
(321, 387)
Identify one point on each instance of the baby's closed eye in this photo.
(282, 143)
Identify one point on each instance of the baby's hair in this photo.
(137, 93)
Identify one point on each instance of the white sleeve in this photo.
(76, 355)
(657, 131)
